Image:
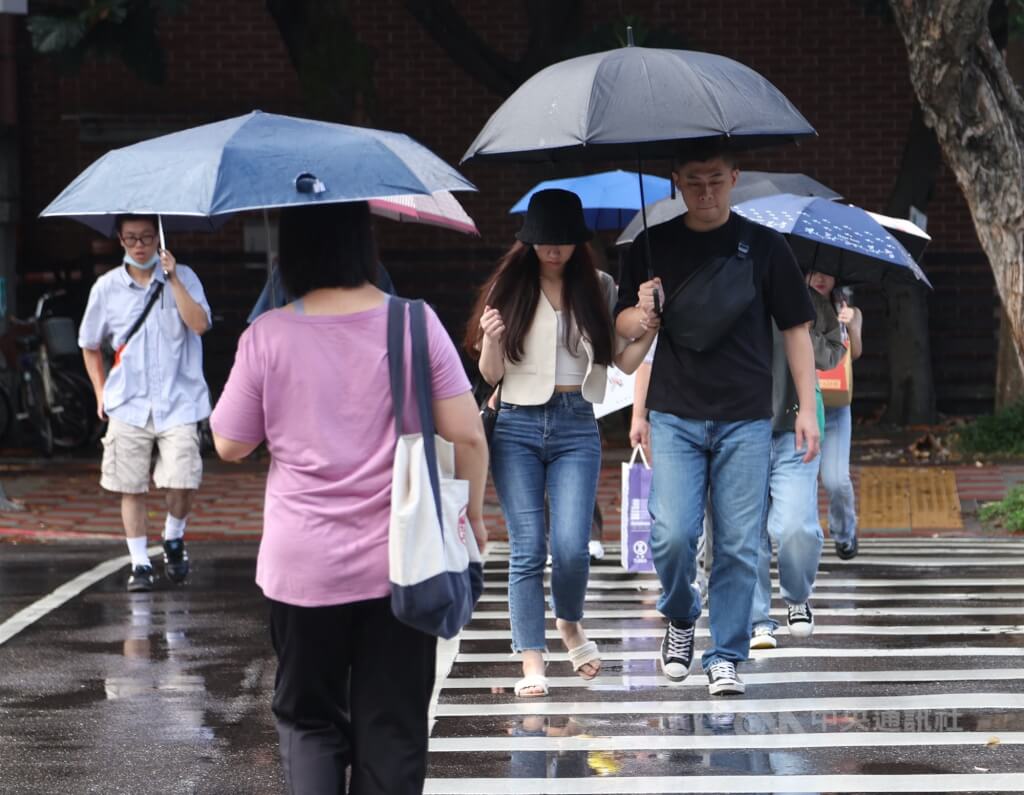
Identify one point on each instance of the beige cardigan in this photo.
(531, 381)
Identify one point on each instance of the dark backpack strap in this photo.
(145, 312)
(396, 355)
(746, 236)
(425, 397)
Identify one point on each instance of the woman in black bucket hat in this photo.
(542, 329)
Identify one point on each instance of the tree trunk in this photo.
(970, 100)
(1009, 376)
(550, 24)
(334, 67)
(911, 385)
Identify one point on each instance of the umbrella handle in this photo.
(160, 232)
(647, 238)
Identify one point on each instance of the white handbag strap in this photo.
(639, 449)
(422, 384)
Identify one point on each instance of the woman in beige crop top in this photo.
(542, 328)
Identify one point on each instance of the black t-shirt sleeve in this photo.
(785, 288)
(631, 276)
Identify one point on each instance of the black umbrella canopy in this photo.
(637, 102)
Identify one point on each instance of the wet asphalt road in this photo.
(912, 682)
(112, 692)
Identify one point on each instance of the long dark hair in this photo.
(514, 290)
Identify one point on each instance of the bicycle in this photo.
(57, 403)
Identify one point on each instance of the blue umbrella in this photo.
(844, 241)
(610, 199)
(197, 177)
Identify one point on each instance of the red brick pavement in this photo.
(64, 500)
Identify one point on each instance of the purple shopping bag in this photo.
(636, 520)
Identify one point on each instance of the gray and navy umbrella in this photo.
(196, 178)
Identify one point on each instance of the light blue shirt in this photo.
(161, 369)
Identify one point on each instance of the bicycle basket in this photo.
(60, 336)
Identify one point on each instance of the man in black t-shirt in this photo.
(710, 411)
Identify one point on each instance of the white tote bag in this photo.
(435, 568)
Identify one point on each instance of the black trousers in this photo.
(352, 690)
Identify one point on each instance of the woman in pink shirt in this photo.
(311, 380)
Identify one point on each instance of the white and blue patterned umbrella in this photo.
(849, 243)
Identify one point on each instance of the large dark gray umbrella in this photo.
(637, 102)
(750, 185)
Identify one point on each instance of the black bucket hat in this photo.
(555, 218)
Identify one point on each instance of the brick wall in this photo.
(843, 68)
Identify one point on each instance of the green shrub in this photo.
(1001, 433)
(1007, 513)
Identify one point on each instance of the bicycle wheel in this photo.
(73, 413)
(33, 403)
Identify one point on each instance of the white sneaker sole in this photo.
(801, 629)
(727, 687)
(763, 642)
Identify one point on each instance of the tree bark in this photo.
(970, 100)
(911, 384)
(334, 67)
(549, 23)
(1009, 375)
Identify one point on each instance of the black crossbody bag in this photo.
(157, 291)
(703, 309)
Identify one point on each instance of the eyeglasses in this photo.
(132, 240)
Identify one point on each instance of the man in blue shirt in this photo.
(155, 392)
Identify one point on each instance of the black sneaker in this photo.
(801, 620)
(677, 652)
(846, 551)
(175, 560)
(141, 579)
(723, 679)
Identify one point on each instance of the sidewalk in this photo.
(64, 501)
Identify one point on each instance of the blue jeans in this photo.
(792, 526)
(733, 458)
(835, 475)
(552, 449)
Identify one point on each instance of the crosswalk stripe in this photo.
(942, 701)
(866, 550)
(948, 652)
(618, 682)
(931, 560)
(709, 742)
(819, 596)
(824, 578)
(846, 612)
(658, 785)
(602, 633)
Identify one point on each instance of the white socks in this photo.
(137, 549)
(174, 527)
